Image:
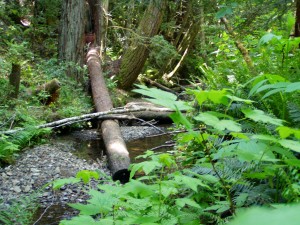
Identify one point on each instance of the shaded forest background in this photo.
(234, 66)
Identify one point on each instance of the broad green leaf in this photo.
(87, 209)
(210, 119)
(223, 12)
(293, 145)
(109, 189)
(284, 152)
(61, 182)
(260, 116)
(237, 99)
(288, 215)
(163, 98)
(216, 96)
(207, 118)
(104, 202)
(255, 151)
(178, 118)
(146, 166)
(229, 125)
(267, 38)
(181, 202)
(166, 160)
(86, 175)
(239, 135)
(83, 219)
(146, 220)
(264, 137)
(293, 87)
(190, 182)
(168, 188)
(137, 189)
(285, 132)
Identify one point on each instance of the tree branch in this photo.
(111, 114)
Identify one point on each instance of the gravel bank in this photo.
(43, 164)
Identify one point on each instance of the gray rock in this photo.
(17, 189)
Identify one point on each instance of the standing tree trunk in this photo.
(99, 11)
(71, 42)
(137, 53)
(14, 79)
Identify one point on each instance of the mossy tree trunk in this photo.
(136, 54)
(71, 41)
(14, 79)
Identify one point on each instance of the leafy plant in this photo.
(20, 211)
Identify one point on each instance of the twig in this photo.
(111, 114)
(163, 146)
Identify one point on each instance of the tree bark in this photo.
(136, 55)
(71, 41)
(243, 50)
(14, 79)
(118, 156)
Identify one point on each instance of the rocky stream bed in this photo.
(37, 167)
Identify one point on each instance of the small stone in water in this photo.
(27, 189)
(17, 189)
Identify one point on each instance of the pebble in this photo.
(37, 167)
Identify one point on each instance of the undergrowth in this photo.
(20, 211)
(231, 157)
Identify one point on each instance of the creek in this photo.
(90, 147)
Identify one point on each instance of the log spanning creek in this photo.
(63, 158)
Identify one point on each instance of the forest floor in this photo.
(42, 164)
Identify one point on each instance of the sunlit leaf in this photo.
(210, 119)
(267, 38)
(83, 219)
(237, 99)
(285, 132)
(179, 119)
(262, 216)
(86, 175)
(293, 145)
(293, 87)
(61, 182)
(187, 201)
(163, 98)
(260, 116)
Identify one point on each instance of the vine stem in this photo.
(222, 181)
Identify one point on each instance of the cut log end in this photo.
(122, 176)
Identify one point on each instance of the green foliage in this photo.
(161, 51)
(20, 211)
(261, 216)
(11, 146)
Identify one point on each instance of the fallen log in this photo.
(116, 151)
(119, 114)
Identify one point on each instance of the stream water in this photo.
(91, 149)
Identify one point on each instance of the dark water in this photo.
(91, 149)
